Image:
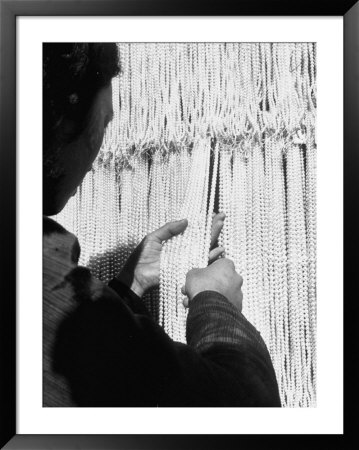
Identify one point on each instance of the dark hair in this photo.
(73, 73)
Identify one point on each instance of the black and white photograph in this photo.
(173, 182)
(180, 224)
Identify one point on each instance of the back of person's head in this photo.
(77, 106)
(73, 73)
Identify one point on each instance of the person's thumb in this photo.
(169, 230)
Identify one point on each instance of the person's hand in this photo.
(142, 270)
(217, 225)
(220, 276)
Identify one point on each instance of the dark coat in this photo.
(102, 348)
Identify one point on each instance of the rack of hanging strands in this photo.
(193, 121)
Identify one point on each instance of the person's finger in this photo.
(185, 300)
(215, 254)
(168, 230)
(217, 225)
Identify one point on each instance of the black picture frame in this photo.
(9, 10)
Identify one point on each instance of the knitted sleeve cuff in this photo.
(132, 300)
(212, 319)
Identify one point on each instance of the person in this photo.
(101, 347)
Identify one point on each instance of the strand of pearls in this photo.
(185, 251)
(225, 189)
(277, 272)
(258, 227)
(155, 221)
(238, 195)
(297, 269)
(311, 226)
(249, 290)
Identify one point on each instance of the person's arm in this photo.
(220, 333)
(132, 300)
(226, 345)
(115, 357)
(113, 354)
